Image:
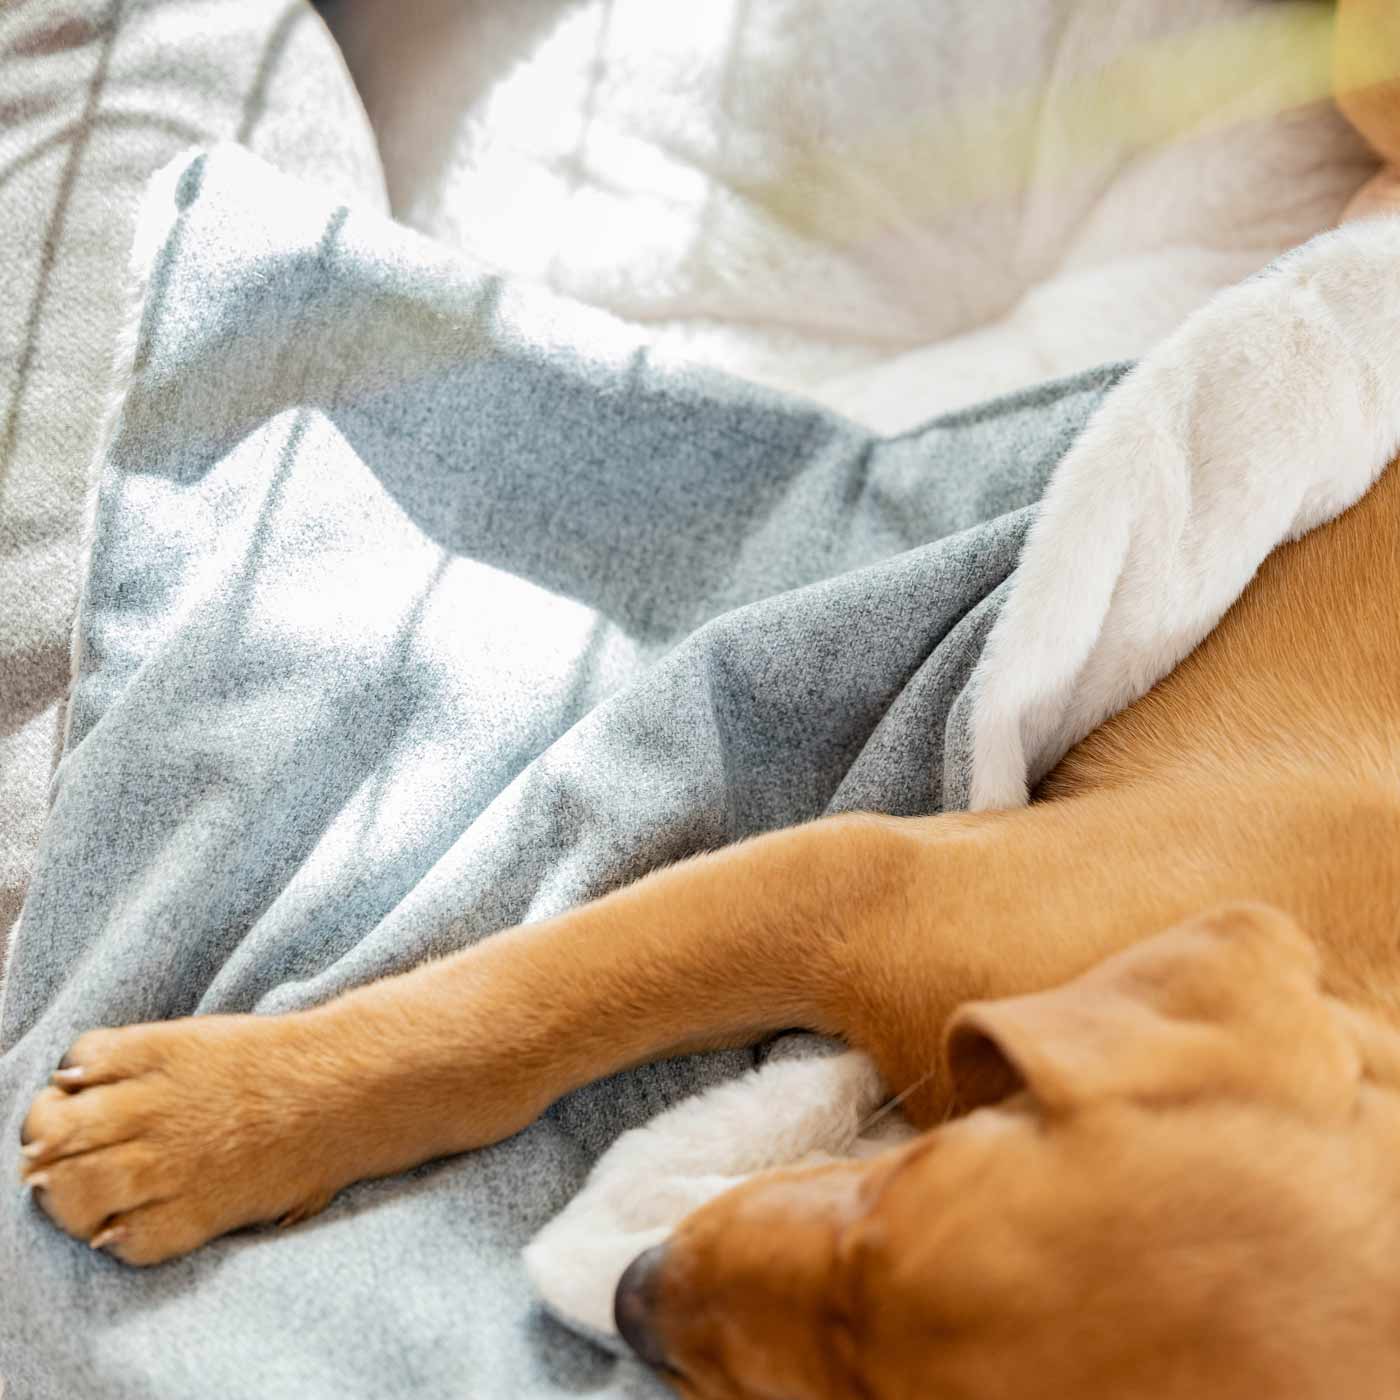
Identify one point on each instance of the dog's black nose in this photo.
(634, 1306)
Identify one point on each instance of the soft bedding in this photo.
(420, 604)
(891, 208)
(896, 208)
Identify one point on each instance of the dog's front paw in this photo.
(152, 1139)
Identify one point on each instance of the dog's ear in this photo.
(1227, 1004)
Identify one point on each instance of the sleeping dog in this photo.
(1161, 1153)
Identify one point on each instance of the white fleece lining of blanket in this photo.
(1271, 410)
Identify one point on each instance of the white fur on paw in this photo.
(787, 1113)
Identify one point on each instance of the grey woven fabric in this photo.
(421, 604)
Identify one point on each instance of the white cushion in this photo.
(896, 207)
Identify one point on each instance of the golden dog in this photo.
(1158, 1164)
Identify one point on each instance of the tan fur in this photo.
(1366, 76)
(1176, 1172)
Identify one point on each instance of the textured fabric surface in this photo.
(421, 604)
(95, 95)
(896, 208)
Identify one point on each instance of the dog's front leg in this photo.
(156, 1138)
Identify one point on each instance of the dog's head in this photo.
(1179, 1177)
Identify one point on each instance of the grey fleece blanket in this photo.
(421, 604)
